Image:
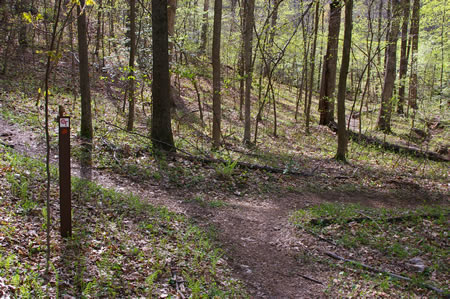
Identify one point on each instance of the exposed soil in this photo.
(266, 252)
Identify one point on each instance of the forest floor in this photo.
(266, 251)
(262, 220)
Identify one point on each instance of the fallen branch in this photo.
(376, 270)
(208, 160)
(363, 139)
(309, 278)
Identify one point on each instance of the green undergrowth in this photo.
(387, 238)
(121, 246)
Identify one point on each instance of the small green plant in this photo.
(27, 206)
(225, 170)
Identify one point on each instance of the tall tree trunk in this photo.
(161, 134)
(241, 66)
(414, 32)
(369, 43)
(328, 86)
(304, 79)
(379, 35)
(313, 61)
(86, 131)
(99, 34)
(390, 15)
(72, 59)
(249, 19)
(342, 88)
(131, 76)
(384, 118)
(403, 57)
(171, 14)
(441, 85)
(216, 72)
(322, 33)
(204, 35)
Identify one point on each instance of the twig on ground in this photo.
(311, 279)
(373, 269)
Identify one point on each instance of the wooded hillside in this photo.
(287, 133)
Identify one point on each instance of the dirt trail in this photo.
(259, 243)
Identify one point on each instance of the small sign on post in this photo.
(64, 176)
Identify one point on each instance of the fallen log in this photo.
(208, 160)
(376, 270)
(239, 164)
(364, 139)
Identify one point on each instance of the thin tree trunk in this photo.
(241, 66)
(313, 60)
(414, 32)
(403, 57)
(99, 30)
(171, 14)
(342, 87)
(384, 118)
(131, 76)
(319, 69)
(249, 7)
(204, 35)
(441, 90)
(72, 60)
(379, 35)
(216, 73)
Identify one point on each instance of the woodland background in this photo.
(221, 143)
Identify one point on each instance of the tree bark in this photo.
(384, 118)
(99, 34)
(171, 14)
(216, 72)
(86, 131)
(313, 61)
(204, 35)
(403, 56)
(249, 19)
(161, 133)
(131, 73)
(414, 32)
(328, 86)
(342, 88)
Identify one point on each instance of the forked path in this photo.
(265, 251)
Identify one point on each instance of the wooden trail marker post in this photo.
(64, 176)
